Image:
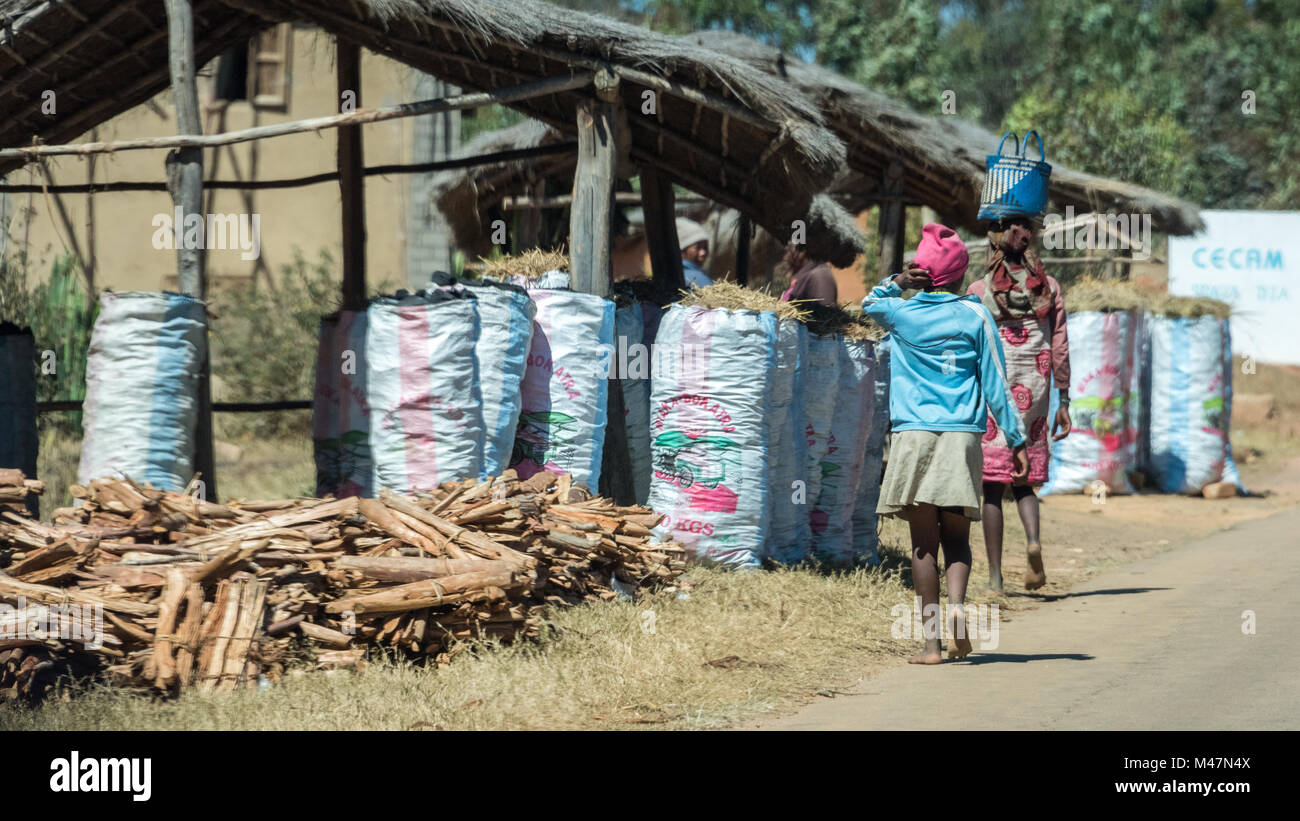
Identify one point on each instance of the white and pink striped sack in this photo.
(565, 392)
(1105, 404)
(426, 417)
(841, 466)
(340, 414)
(709, 393)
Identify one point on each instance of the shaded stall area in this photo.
(627, 100)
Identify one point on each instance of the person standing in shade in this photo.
(695, 251)
(1030, 314)
(812, 278)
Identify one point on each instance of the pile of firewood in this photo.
(191, 594)
(16, 490)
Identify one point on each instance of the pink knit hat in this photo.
(942, 253)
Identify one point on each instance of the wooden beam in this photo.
(891, 225)
(504, 96)
(351, 183)
(185, 175)
(661, 235)
(591, 217)
(511, 155)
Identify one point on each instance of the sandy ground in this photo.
(1140, 626)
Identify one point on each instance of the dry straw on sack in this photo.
(863, 326)
(530, 264)
(1093, 294)
(733, 297)
(824, 320)
(1188, 307)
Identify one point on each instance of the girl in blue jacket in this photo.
(947, 374)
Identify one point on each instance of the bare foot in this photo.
(995, 583)
(1035, 576)
(927, 657)
(958, 637)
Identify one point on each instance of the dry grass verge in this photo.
(740, 645)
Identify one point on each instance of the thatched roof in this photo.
(100, 57)
(721, 128)
(942, 158)
(464, 196)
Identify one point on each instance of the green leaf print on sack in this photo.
(703, 460)
(539, 435)
(1212, 414)
(1102, 418)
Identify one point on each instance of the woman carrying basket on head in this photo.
(946, 376)
(1030, 314)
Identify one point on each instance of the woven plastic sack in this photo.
(866, 541)
(18, 440)
(142, 379)
(841, 466)
(426, 416)
(821, 380)
(505, 337)
(709, 389)
(1190, 377)
(340, 415)
(565, 391)
(629, 331)
(1105, 404)
(789, 535)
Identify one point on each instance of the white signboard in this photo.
(1251, 260)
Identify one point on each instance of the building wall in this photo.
(294, 220)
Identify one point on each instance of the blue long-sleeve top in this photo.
(946, 363)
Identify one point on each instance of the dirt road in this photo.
(1157, 644)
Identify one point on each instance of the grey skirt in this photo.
(937, 468)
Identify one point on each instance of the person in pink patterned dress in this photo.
(1029, 311)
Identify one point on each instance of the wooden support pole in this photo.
(591, 218)
(661, 235)
(601, 140)
(185, 178)
(742, 250)
(351, 164)
(892, 213)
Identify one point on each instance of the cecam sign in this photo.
(1251, 260)
(1237, 258)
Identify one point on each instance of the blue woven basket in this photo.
(1013, 185)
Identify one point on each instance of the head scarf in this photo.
(1015, 293)
(942, 253)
